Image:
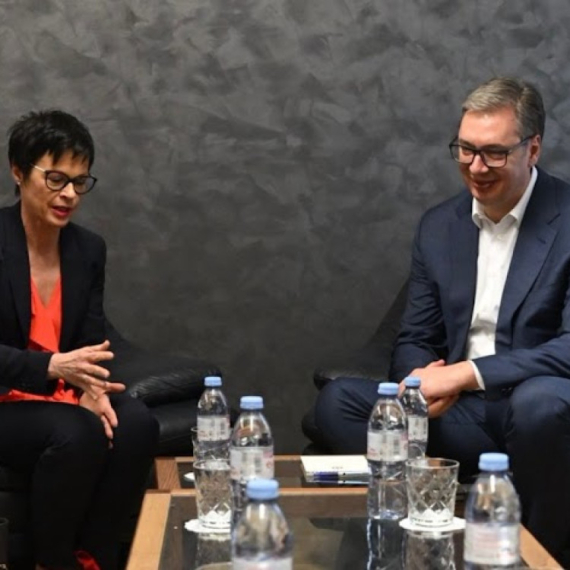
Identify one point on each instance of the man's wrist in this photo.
(478, 376)
(467, 376)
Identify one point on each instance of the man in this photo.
(487, 323)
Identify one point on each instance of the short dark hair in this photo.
(50, 132)
(522, 96)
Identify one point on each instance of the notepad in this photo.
(335, 468)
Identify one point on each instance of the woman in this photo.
(87, 446)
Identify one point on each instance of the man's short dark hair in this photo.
(50, 132)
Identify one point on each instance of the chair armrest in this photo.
(161, 378)
(372, 360)
(365, 363)
(156, 378)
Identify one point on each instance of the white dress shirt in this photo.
(496, 245)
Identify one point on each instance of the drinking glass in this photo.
(431, 485)
(428, 551)
(213, 493)
(213, 547)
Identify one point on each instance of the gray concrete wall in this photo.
(263, 163)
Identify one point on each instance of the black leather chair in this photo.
(371, 361)
(170, 386)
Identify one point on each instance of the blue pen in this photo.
(335, 477)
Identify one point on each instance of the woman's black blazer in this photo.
(82, 255)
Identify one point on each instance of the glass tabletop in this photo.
(330, 532)
(339, 543)
(328, 522)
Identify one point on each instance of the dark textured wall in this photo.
(263, 163)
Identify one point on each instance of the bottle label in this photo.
(417, 428)
(389, 446)
(213, 428)
(280, 564)
(251, 463)
(492, 544)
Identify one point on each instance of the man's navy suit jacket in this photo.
(82, 259)
(533, 328)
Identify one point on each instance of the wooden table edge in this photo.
(146, 547)
(331, 492)
(167, 478)
(188, 458)
(534, 554)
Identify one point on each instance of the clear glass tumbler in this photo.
(213, 493)
(432, 485)
(428, 551)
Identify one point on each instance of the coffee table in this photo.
(329, 525)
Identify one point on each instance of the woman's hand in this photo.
(101, 407)
(79, 367)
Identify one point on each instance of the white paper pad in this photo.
(455, 525)
(341, 466)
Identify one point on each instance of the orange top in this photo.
(45, 331)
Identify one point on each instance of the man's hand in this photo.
(442, 381)
(79, 367)
(442, 384)
(438, 407)
(101, 407)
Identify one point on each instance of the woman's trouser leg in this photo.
(64, 448)
(122, 482)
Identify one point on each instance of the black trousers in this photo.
(531, 425)
(82, 491)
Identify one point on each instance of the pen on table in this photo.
(336, 477)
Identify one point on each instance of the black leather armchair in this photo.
(170, 386)
(371, 361)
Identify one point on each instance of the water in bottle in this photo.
(261, 539)
(492, 515)
(213, 420)
(416, 409)
(384, 539)
(251, 450)
(387, 455)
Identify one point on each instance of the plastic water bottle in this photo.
(492, 515)
(385, 538)
(213, 418)
(251, 450)
(261, 539)
(416, 409)
(387, 455)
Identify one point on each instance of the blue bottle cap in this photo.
(262, 489)
(493, 462)
(388, 389)
(251, 403)
(212, 381)
(412, 382)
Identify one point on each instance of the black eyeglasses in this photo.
(57, 181)
(491, 157)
